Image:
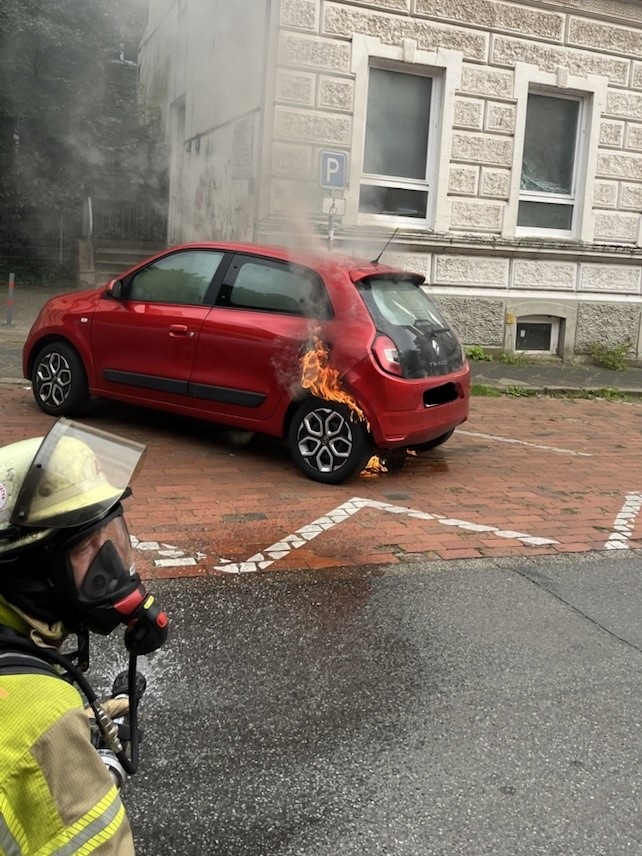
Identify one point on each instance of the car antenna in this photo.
(376, 261)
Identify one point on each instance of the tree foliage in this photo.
(68, 102)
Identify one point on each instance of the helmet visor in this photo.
(77, 475)
(101, 557)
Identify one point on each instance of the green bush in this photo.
(610, 357)
(477, 353)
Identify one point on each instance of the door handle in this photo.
(179, 330)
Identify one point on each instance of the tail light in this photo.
(387, 355)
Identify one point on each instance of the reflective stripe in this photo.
(105, 834)
(13, 841)
(96, 827)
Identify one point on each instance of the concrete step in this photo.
(112, 258)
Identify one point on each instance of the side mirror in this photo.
(115, 289)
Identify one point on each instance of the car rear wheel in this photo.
(327, 441)
(59, 380)
(432, 444)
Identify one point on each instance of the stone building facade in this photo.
(497, 143)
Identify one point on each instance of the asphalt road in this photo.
(486, 706)
(481, 707)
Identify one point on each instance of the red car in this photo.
(340, 356)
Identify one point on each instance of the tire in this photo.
(432, 444)
(59, 380)
(327, 441)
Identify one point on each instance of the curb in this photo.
(513, 389)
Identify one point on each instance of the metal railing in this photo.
(29, 248)
(129, 221)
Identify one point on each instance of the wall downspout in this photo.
(258, 188)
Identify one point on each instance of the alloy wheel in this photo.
(325, 439)
(54, 377)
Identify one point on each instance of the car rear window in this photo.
(403, 302)
(400, 302)
(401, 309)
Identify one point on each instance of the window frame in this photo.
(444, 68)
(402, 182)
(550, 198)
(551, 320)
(591, 92)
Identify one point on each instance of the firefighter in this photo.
(66, 566)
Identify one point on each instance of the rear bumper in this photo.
(399, 411)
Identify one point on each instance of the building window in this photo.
(404, 114)
(394, 181)
(557, 128)
(549, 163)
(538, 333)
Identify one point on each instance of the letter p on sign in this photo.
(333, 170)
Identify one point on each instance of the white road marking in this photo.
(624, 523)
(172, 556)
(175, 562)
(526, 443)
(280, 549)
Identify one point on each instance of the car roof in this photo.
(320, 259)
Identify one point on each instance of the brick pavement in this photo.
(524, 476)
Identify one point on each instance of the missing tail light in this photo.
(387, 355)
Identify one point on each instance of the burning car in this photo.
(339, 356)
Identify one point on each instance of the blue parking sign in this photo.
(333, 170)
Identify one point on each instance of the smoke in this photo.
(68, 113)
(208, 66)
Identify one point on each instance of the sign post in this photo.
(333, 169)
(9, 321)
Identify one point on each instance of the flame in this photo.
(322, 380)
(374, 467)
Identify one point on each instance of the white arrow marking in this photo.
(307, 533)
(624, 523)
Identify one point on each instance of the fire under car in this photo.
(342, 358)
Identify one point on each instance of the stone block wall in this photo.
(315, 83)
(476, 267)
(248, 168)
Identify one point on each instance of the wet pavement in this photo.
(525, 475)
(442, 659)
(488, 707)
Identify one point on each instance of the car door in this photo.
(248, 351)
(144, 342)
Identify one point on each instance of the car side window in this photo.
(182, 277)
(276, 287)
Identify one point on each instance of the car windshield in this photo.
(402, 310)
